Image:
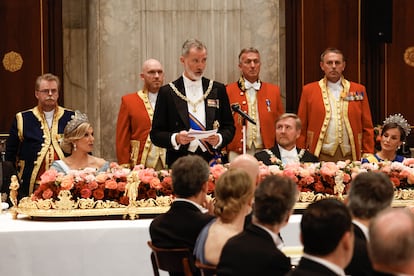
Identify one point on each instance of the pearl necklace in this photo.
(193, 104)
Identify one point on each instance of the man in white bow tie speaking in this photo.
(260, 100)
(190, 104)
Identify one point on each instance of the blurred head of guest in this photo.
(233, 201)
(249, 164)
(256, 250)
(370, 193)
(326, 233)
(274, 200)
(233, 194)
(391, 245)
(186, 217)
(189, 178)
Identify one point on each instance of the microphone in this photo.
(236, 108)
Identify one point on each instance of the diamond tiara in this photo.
(399, 120)
(77, 119)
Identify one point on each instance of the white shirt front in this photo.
(288, 156)
(335, 88)
(49, 117)
(152, 97)
(194, 93)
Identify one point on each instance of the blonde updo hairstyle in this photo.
(234, 189)
(70, 137)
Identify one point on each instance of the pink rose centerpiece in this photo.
(326, 178)
(313, 177)
(86, 183)
(153, 183)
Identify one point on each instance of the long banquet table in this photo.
(85, 247)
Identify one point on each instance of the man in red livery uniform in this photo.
(260, 100)
(335, 114)
(133, 143)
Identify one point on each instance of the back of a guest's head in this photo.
(391, 235)
(247, 163)
(189, 174)
(233, 191)
(323, 225)
(274, 199)
(370, 193)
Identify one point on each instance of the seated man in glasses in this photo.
(33, 142)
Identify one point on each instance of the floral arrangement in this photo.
(401, 174)
(86, 183)
(325, 178)
(153, 183)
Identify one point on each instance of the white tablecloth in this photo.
(96, 247)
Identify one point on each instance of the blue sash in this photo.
(197, 125)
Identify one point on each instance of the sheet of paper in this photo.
(201, 134)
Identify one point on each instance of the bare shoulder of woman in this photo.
(99, 161)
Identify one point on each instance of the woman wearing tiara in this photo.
(394, 131)
(78, 143)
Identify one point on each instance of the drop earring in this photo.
(74, 147)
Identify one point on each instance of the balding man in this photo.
(391, 246)
(133, 143)
(249, 164)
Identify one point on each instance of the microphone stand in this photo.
(244, 134)
(244, 117)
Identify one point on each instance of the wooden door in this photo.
(311, 27)
(399, 64)
(31, 45)
(386, 68)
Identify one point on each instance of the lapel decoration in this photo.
(273, 159)
(301, 153)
